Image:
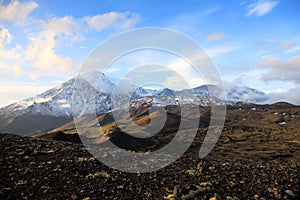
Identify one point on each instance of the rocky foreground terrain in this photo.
(256, 157)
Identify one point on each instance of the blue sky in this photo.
(254, 43)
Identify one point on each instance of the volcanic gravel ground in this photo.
(33, 168)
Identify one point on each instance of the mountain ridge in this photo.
(56, 103)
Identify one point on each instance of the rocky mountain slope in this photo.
(256, 157)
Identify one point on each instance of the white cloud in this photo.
(15, 91)
(43, 59)
(269, 41)
(38, 55)
(177, 82)
(287, 44)
(187, 73)
(292, 95)
(17, 70)
(294, 49)
(16, 12)
(284, 74)
(271, 46)
(180, 82)
(250, 78)
(215, 36)
(118, 20)
(66, 27)
(279, 69)
(207, 74)
(60, 25)
(5, 37)
(277, 90)
(41, 54)
(261, 7)
(220, 50)
(11, 59)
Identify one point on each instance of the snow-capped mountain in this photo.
(246, 94)
(36, 114)
(141, 92)
(53, 107)
(54, 102)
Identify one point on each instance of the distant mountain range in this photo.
(53, 107)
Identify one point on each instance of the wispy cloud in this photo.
(211, 10)
(215, 36)
(261, 7)
(294, 49)
(288, 44)
(202, 13)
(271, 46)
(221, 50)
(121, 20)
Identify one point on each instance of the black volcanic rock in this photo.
(33, 168)
(128, 142)
(61, 136)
